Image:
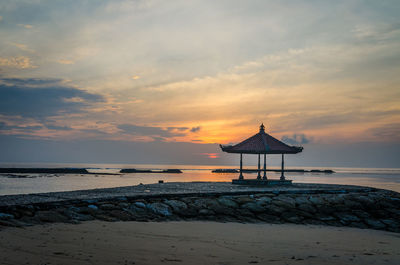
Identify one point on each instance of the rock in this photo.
(262, 201)
(375, 224)
(139, 205)
(108, 206)
(325, 209)
(352, 204)
(9, 222)
(254, 207)
(304, 214)
(227, 202)
(177, 206)
(316, 200)
(93, 207)
(6, 216)
(206, 212)
(346, 218)
(285, 200)
(71, 214)
(106, 218)
(312, 222)
(243, 199)
(390, 222)
(291, 217)
(358, 225)
(268, 218)
(361, 214)
(324, 218)
(307, 208)
(302, 200)
(51, 217)
(336, 199)
(123, 205)
(160, 209)
(244, 212)
(274, 210)
(121, 215)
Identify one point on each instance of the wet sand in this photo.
(100, 242)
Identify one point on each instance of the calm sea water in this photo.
(385, 178)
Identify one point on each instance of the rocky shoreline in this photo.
(319, 204)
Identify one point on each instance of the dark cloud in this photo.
(154, 132)
(195, 129)
(6, 127)
(389, 132)
(59, 128)
(296, 139)
(178, 128)
(42, 98)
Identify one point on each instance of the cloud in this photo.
(64, 61)
(23, 47)
(42, 98)
(296, 139)
(21, 62)
(135, 77)
(5, 127)
(27, 26)
(386, 132)
(195, 129)
(153, 132)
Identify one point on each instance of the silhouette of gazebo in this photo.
(261, 143)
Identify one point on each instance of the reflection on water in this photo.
(34, 183)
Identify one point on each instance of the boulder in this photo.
(263, 201)
(51, 217)
(274, 210)
(139, 205)
(254, 207)
(307, 208)
(226, 202)
(316, 200)
(302, 200)
(289, 201)
(177, 206)
(108, 206)
(375, 224)
(72, 214)
(121, 215)
(291, 217)
(159, 208)
(268, 218)
(6, 216)
(346, 218)
(206, 212)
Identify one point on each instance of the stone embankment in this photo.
(300, 204)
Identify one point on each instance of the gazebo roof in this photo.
(262, 143)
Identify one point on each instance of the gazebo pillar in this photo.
(282, 168)
(265, 167)
(241, 167)
(258, 171)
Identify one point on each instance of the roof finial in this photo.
(262, 127)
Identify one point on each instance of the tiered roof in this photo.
(262, 143)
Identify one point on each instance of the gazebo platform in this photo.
(269, 182)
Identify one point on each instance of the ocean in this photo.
(384, 178)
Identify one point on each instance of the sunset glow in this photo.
(321, 73)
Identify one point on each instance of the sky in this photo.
(167, 81)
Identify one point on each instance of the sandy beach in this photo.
(100, 242)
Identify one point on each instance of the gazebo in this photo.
(261, 143)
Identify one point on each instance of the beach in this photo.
(98, 242)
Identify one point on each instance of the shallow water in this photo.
(384, 178)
